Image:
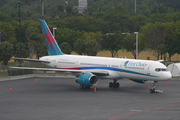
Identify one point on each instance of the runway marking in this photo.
(135, 110)
(144, 111)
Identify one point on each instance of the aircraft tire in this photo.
(82, 86)
(87, 87)
(152, 91)
(110, 84)
(117, 85)
(114, 85)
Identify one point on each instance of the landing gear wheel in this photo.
(87, 87)
(115, 84)
(84, 87)
(110, 84)
(153, 90)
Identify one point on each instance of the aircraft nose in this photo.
(167, 76)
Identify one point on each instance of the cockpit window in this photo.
(161, 69)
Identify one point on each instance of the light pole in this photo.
(20, 3)
(66, 3)
(0, 44)
(54, 32)
(43, 8)
(136, 44)
(135, 6)
(0, 37)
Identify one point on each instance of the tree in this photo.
(91, 47)
(34, 38)
(112, 42)
(3, 17)
(79, 46)
(156, 37)
(117, 21)
(160, 17)
(176, 16)
(41, 50)
(137, 22)
(89, 11)
(66, 48)
(7, 32)
(24, 52)
(129, 43)
(69, 8)
(6, 52)
(67, 35)
(61, 8)
(97, 36)
(160, 8)
(173, 40)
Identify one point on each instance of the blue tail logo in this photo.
(51, 44)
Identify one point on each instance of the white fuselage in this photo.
(117, 67)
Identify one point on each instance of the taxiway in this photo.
(62, 99)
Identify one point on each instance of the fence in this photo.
(6, 70)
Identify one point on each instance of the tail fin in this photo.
(51, 44)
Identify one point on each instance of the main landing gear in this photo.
(84, 87)
(153, 90)
(115, 84)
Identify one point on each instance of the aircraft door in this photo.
(148, 70)
(77, 64)
(53, 62)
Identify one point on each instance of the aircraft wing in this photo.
(98, 73)
(31, 60)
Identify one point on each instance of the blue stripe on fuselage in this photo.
(116, 69)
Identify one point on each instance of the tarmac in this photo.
(60, 98)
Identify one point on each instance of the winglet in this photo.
(51, 44)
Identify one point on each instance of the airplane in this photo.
(89, 69)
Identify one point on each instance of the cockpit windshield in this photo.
(161, 69)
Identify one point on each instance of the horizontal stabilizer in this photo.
(31, 60)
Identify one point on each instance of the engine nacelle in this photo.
(87, 79)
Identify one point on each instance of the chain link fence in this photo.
(6, 70)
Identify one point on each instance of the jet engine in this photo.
(87, 79)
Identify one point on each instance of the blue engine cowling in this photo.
(87, 79)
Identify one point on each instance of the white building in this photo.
(82, 5)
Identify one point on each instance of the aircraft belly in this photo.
(112, 75)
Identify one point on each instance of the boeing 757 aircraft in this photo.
(88, 69)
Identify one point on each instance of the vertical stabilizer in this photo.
(51, 44)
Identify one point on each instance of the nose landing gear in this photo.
(153, 90)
